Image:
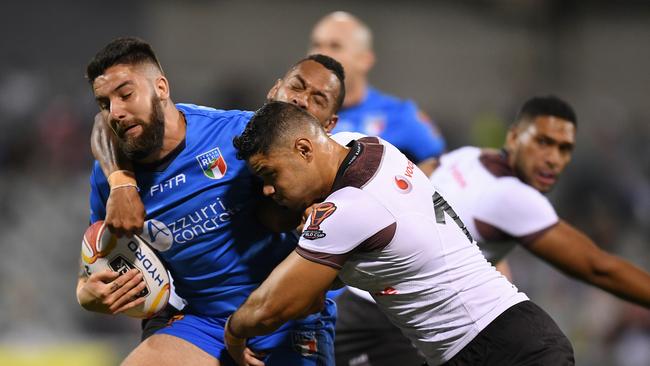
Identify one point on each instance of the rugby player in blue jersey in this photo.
(205, 210)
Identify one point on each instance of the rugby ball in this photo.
(101, 250)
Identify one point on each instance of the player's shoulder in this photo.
(203, 113)
(388, 101)
(344, 138)
(511, 191)
(461, 153)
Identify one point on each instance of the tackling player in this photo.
(202, 205)
(383, 228)
(499, 195)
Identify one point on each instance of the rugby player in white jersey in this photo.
(380, 226)
(499, 195)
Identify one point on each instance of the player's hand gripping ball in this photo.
(101, 250)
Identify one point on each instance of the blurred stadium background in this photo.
(468, 64)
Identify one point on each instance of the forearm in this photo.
(621, 278)
(257, 316)
(105, 149)
(428, 166)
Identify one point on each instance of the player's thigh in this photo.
(167, 350)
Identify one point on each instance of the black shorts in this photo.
(522, 335)
(159, 321)
(365, 336)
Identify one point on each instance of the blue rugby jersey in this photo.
(201, 215)
(396, 121)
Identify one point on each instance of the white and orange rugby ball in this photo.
(101, 250)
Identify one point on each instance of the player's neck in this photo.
(336, 156)
(175, 127)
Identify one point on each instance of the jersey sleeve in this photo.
(422, 140)
(349, 220)
(516, 209)
(99, 190)
(344, 138)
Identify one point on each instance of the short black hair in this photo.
(124, 50)
(270, 123)
(335, 67)
(549, 105)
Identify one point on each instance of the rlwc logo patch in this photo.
(318, 215)
(402, 184)
(213, 164)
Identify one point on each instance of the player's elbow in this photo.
(602, 266)
(271, 315)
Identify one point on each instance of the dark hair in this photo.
(271, 122)
(126, 50)
(335, 67)
(546, 106)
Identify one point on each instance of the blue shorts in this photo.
(308, 342)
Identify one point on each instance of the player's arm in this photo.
(575, 254)
(427, 166)
(109, 292)
(125, 212)
(106, 292)
(295, 288)
(504, 268)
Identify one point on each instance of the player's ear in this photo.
(274, 90)
(162, 88)
(304, 148)
(331, 123)
(511, 137)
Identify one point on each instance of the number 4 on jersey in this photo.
(440, 206)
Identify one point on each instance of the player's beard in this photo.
(151, 138)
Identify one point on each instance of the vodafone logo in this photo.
(402, 184)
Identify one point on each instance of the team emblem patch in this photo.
(213, 164)
(318, 215)
(374, 125)
(402, 184)
(305, 343)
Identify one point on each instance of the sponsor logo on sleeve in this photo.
(318, 215)
(213, 164)
(402, 184)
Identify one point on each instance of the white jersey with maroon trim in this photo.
(498, 208)
(390, 233)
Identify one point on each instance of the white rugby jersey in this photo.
(498, 208)
(390, 233)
